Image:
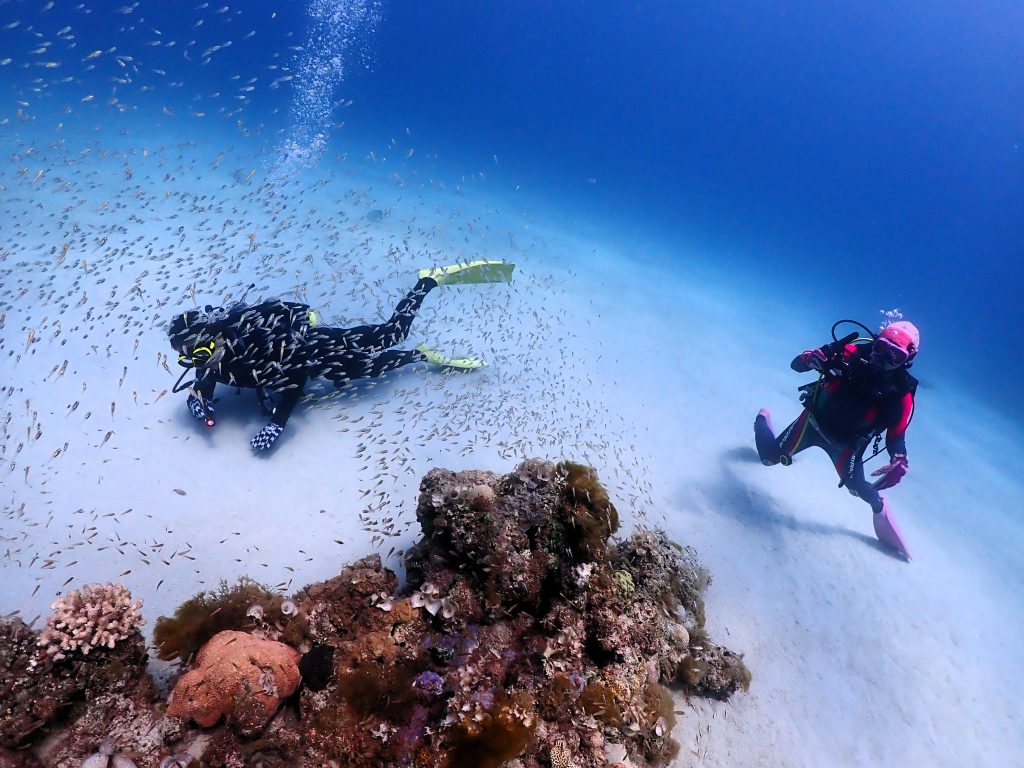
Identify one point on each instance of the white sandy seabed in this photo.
(650, 374)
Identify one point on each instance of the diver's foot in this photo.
(888, 532)
(480, 271)
(765, 440)
(266, 437)
(458, 363)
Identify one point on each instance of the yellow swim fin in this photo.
(460, 363)
(480, 271)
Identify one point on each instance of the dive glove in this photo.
(201, 410)
(891, 473)
(816, 359)
(266, 437)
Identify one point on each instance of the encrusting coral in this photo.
(238, 675)
(524, 636)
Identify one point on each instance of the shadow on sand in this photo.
(733, 495)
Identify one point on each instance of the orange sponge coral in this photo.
(238, 675)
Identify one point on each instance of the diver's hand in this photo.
(266, 437)
(816, 359)
(891, 473)
(201, 410)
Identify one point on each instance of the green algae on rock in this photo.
(201, 617)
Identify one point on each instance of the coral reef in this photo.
(525, 636)
(238, 675)
(95, 616)
(89, 696)
(32, 691)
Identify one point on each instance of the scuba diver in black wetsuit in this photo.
(277, 346)
(864, 389)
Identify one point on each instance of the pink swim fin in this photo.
(887, 531)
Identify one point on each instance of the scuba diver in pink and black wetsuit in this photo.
(864, 390)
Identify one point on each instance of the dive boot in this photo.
(480, 271)
(887, 531)
(459, 363)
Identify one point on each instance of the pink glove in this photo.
(891, 473)
(815, 359)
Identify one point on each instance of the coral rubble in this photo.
(524, 636)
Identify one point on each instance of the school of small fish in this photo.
(141, 177)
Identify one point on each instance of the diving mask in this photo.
(888, 353)
(202, 356)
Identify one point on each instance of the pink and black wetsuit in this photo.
(843, 413)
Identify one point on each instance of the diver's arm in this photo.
(819, 359)
(809, 360)
(895, 443)
(205, 384)
(290, 397)
(200, 398)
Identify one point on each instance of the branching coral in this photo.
(95, 616)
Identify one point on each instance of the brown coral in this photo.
(238, 675)
(31, 691)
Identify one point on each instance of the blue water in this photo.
(811, 160)
(862, 155)
(870, 154)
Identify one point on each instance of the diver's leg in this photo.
(887, 532)
(478, 271)
(765, 439)
(392, 359)
(801, 434)
(362, 365)
(372, 338)
(850, 466)
(849, 463)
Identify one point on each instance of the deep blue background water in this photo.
(874, 147)
(865, 153)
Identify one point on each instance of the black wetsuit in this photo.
(844, 413)
(274, 347)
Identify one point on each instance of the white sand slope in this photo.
(651, 374)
